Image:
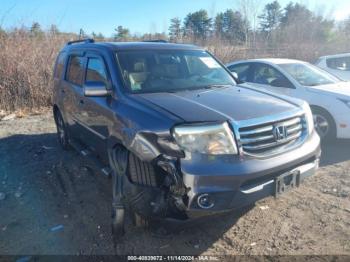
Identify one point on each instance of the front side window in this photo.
(267, 75)
(309, 75)
(339, 63)
(171, 70)
(242, 70)
(75, 70)
(96, 71)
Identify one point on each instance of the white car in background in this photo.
(338, 65)
(328, 96)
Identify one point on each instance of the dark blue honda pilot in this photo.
(176, 132)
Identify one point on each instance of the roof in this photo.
(335, 56)
(276, 61)
(135, 46)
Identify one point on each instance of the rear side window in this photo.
(339, 63)
(59, 65)
(75, 70)
(96, 71)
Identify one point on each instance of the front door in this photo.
(96, 115)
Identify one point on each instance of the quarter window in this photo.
(96, 71)
(75, 70)
(60, 65)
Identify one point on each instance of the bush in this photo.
(26, 65)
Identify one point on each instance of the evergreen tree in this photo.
(219, 24)
(122, 33)
(35, 30)
(198, 24)
(271, 17)
(231, 25)
(175, 29)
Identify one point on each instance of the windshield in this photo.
(309, 75)
(171, 70)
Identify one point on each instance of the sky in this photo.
(140, 16)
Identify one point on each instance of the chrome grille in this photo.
(272, 137)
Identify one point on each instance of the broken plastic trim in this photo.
(149, 146)
(176, 185)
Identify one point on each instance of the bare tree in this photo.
(250, 11)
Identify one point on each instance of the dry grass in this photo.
(26, 64)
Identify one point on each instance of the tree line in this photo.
(275, 23)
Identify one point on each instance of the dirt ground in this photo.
(52, 202)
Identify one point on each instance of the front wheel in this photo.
(324, 124)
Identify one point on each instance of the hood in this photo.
(220, 104)
(340, 89)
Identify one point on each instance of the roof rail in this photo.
(86, 41)
(156, 41)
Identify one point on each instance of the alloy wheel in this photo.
(321, 125)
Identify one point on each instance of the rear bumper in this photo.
(235, 183)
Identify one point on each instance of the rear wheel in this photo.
(324, 124)
(62, 133)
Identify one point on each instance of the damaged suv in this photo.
(177, 134)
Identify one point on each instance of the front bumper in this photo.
(343, 126)
(232, 183)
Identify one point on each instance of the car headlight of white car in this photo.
(210, 139)
(309, 118)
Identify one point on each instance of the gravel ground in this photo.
(52, 202)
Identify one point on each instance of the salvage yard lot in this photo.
(52, 202)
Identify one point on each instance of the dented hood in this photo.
(219, 104)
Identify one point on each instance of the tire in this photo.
(62, 133)
(324, 124)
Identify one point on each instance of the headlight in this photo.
(216, 139)
(309, 118)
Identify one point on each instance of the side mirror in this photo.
(235, 75)
(95, 88)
